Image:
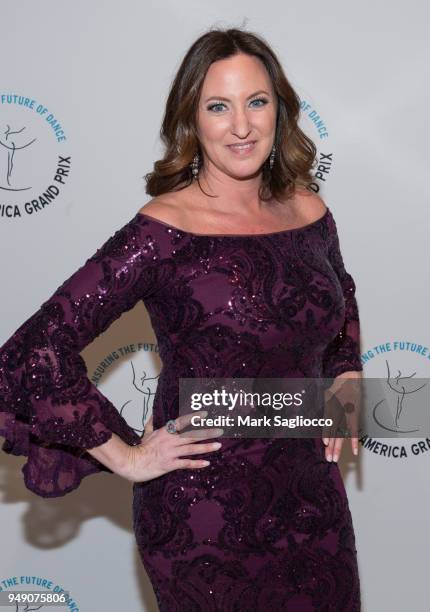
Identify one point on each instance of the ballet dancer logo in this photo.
(35, 166)
(13, 141)
(30, 593)
(399, 388)
(145, 387)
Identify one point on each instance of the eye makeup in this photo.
(215, 104)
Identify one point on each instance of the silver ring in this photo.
(171, 426)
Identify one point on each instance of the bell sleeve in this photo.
(50, 411)
(343, 353)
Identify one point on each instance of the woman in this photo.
(240, 269)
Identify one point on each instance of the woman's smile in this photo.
(242, 149)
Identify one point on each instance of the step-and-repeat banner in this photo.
(82, 94)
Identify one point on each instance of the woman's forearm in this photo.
(115, 454)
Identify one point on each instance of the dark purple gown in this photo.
(267, 525)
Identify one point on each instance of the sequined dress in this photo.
(267, 525)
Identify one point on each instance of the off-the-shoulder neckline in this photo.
(284, 231)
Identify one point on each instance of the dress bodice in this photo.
(261, 305)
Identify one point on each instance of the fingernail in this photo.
(335, 457)
(355, 451)
(205, 463)
(325, 441)
(329, 457)
(217, 444)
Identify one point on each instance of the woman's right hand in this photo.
(159, 451)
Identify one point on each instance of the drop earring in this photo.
(195, 165)
(272, 157)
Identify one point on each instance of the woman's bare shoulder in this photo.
(309, 205)
(165, 207)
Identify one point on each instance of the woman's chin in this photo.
(244, 171)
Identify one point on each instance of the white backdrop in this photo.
(99, 75)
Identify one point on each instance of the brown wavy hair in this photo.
(295, 152)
